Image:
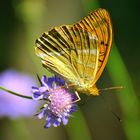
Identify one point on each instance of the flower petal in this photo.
(56, 123)
(37, 96)
(35, 89)
(50, 81)
(65, 120)
(48, 124)
(41, 114)
(43, 89)
(59, 81)
(44, 81)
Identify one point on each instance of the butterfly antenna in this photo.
(110, 109)
(118, 118)
(112, 88)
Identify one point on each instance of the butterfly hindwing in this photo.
(99, 24)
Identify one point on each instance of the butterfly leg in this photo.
(78, 97)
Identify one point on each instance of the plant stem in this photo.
(15, 93)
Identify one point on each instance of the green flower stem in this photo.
(15, 93)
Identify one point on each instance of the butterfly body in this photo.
(79, 52)
(87, 90)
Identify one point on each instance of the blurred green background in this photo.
(22, 21)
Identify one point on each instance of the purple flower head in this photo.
(59, 102)
(13, 106)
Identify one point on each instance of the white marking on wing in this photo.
(92, 37)
(93, 51)
(91, 65)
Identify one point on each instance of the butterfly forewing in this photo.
(68, 53)
(78, 52)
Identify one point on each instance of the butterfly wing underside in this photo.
(70, 52)
(78, 52)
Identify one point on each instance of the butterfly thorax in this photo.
(90, 90)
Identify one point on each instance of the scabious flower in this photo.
(13, 106)
(58, 101)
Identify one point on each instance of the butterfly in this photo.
(78, 53)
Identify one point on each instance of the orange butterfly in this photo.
(79, 52)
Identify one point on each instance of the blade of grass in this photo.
(120, 76)
(128, 100)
